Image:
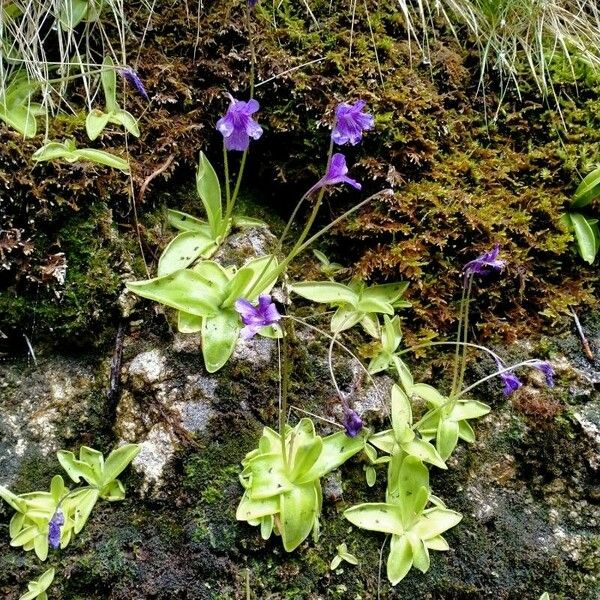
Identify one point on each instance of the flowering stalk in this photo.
(231, 198)
(352, 421)
(532, 362)
(226, 177)
(483, 265)
(252, 49)
(463, 361)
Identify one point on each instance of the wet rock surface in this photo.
(528, 488)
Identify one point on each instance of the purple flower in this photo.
(252, 3)
(352, 422)
(546, 368)
(238, 126)
(56, 522)
(337, 172)
(134, 79)
(350, 123)
(256, 317)
(511, 382)
(486, 263)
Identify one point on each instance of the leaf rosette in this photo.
(283, 493)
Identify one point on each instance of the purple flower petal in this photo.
(132, 77)
(256, 317)
(511, 382)
(237, 125)
(249, 331)
(546, 368)
(337, 172)
(352, 422)
(485, 263)
(350, 123)
(238, 139)
(244, 307)
(54, 527)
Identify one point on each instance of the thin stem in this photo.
(333, 338)
(73, 492)
(316, 207)
(341, 396)
(451, 399)
(310, 414)
(285, 382)
(287, 228)
(333, 223)
(525, 363)
(463, 364)
(458, 340)
(470, 344)
(227, 182)
(238, 183)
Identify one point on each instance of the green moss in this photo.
(77, 312)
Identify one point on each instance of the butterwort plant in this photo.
(47, 521)
(282, 480)
(221, 302)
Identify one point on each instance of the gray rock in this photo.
(39, 406)
(588, 416)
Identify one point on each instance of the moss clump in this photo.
(73, 299)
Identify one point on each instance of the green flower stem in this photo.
(456, 368)
(236, 189)
(227, 183)
(453, 399)
(333, 223)
(232, 198)
(74, 491)
(76, 76)
(285, 382)
(316, 207)
(463, 363)
(288, 259)
(289, 224)
(331, 371)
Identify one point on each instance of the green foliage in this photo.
(342, 555)
(282, 481)
(448, 418)
(200, 238)
(35, 511)
(414, 529)
(16, 108)
(355, 303)
(68, 151)
(37, 588)
(585, 229)
(402, 437)
(328, 268)
(73, 12)
(389, 338)
(98, 473)
(97, 120)
(204, 297)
